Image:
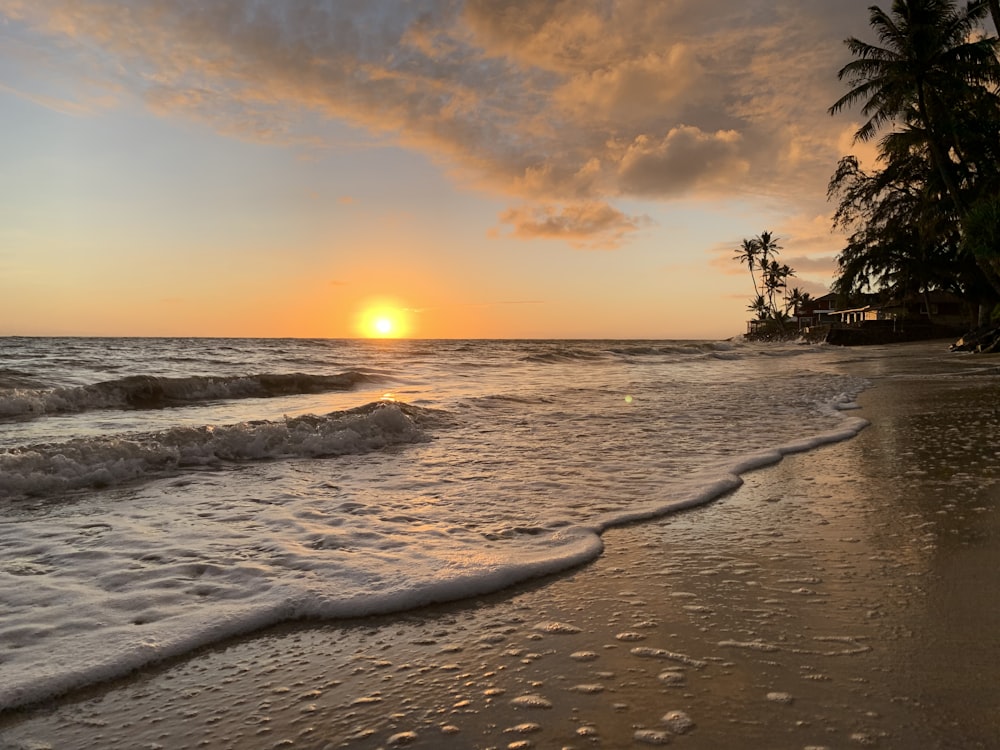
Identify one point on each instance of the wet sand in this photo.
(845, 597)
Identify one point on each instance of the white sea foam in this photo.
(88, 602)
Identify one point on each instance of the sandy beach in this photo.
(844, 597)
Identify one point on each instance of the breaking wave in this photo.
(151, 392)
(105, 461)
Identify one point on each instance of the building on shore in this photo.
(936, 314)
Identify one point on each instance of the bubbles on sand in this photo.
(865, 739)
(531, 700)
(557, 628)
(678, 722)
(630, 636)
(402, 738)
(652, 737)
(661, 653)
(779, 697)
(671, 677)
(587, 689)
(757, 645)
(528, 727)
(675, 721)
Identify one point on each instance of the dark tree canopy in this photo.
(926, 218)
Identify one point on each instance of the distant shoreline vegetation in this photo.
(773, 304)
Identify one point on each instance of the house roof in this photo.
(866, 308)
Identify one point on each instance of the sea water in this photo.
(157, 495)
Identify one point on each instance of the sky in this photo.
(428, 168)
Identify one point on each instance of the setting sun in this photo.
(383, 321)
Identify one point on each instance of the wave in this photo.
(728, 475)
(677, 347)
(508, 398)
(602, 351)
(97, 462)
(723, 350)
(239, 598)
(400, 573)
(10, 378)
(151, 392)
(562, 355)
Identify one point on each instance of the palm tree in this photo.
(795, 300)
(768, 245)
(759, 254)
(759, 307)
(929, 66)
(748, 253)
(901, 240)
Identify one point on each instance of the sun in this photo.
(383, 321)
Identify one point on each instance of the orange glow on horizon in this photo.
(383, 320)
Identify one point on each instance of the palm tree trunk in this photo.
(753, 276)
(927, 304)
(939, 155)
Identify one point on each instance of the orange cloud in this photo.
(684, 159)
(594, 225)
(554, 102)
(634, 91)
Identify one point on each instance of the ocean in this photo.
(158, 495)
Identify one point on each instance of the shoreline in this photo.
(841, 597)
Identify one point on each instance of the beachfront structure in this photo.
(937, 307)
(816, 311)
(813, 312)
(918, 316)
(859, 314)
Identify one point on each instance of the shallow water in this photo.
(841, 598)
(142, 522)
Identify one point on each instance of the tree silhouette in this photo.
(929, 63)
(925, 218)
(770, 278)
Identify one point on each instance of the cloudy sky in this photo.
(479, 168)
